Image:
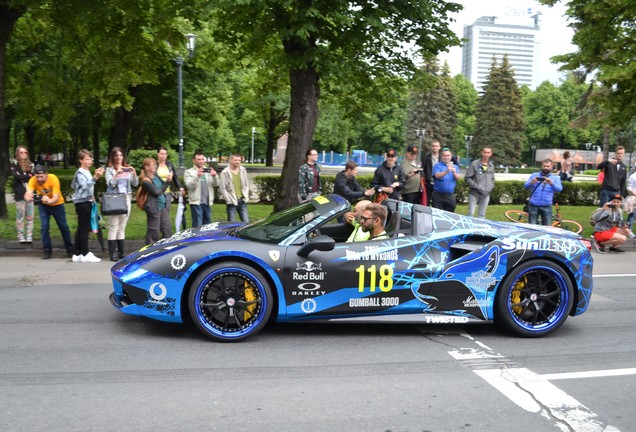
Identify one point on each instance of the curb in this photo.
(15, 248)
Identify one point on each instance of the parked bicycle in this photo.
(557, 220)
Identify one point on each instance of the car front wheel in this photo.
(230, 301)
(534, 299)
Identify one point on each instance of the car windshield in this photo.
(279, 226)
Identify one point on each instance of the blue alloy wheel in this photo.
(230, 301)
(534, 299)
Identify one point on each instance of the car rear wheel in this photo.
(534, 299)
(230, 301)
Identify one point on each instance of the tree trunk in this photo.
(121, 128)
(97, 124)
(8, 16)
(302, 125)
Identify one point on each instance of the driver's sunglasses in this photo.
(363, 219)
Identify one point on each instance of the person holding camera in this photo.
(445, 176)
(412, 191)
(234, 188)
(614, 176)
(83, 186)
(610, 230)
(543, 185)
(156, 207)
(120, 178)
(43, 189)
(200, 182)
(388, 178)
(480, 178)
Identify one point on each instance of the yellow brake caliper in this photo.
(515, 297)
(249, 297)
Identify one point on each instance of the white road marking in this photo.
(589, 374)
(533, 392)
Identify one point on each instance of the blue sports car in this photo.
(232, 279)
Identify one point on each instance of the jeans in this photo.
(606, 196)
(59, 214)
(201, 214)
(444, 201)
(242, 211)
(544, 211)
(482, 200)
(24, 219)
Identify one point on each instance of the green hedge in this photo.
(505, 192)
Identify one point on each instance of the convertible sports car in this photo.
(437, 267)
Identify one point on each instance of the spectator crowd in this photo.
(427, 178)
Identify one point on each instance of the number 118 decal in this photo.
(381, 278)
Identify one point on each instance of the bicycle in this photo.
(557, 220)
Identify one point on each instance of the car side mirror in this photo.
(321, 243)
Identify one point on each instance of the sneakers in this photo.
(89, 257)
(76, 258)
(631, 234)
(46, 254)
(616, 249)
(599, 248)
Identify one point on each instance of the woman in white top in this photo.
(120, 178)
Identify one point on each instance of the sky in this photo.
(554, 35)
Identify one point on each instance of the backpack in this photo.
(594, 217)
(142, 196)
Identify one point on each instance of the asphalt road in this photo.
(70, 362)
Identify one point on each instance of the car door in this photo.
(361, 278)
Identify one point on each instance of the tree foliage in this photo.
(604, 33)
(499, 116)
(330, 38)
(433, 106)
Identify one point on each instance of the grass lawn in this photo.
(136, 228)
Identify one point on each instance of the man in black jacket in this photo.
(389, 178)
(347, 185)
(615, 176)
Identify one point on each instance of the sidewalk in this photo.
(15, 248)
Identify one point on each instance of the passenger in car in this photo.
(353, 218)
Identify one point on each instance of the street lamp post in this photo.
(468, 139)
(253, 132)
(190, 45)
(420, 133)
(534, 153)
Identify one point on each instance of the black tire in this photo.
(534, 299)
(230, 301)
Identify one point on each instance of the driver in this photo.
(353, 218)
(372, 221)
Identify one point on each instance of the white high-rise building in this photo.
(486, 39)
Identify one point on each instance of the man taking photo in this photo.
(44, 191)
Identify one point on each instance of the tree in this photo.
(467, 97)
(604, 33)
(10, 12)
(500, 119)
(433, 106)
(332, 37)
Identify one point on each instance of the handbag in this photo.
(114, 204)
